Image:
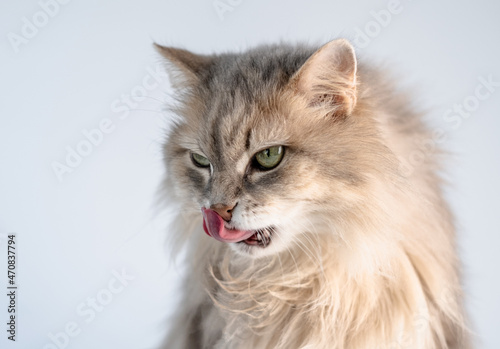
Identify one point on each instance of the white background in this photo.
(102, 217)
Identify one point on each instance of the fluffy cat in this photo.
(303, 228)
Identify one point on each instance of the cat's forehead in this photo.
(240, 100)
(234, 133)
(252, 72)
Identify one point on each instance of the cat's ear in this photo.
(188, 66)
(328, 78)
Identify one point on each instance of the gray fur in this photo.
(338, 191)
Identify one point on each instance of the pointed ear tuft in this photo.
(190, 65)
(328, 78)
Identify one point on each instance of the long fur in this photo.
(369, 261)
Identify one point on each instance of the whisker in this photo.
(148, 110)
(309, 253)
(278, 254)
(291, 255)
(156, 99)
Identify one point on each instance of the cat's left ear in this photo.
(188, 65)
(328, 78)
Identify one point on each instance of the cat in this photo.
(302, 227)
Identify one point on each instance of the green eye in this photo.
(200, 160)
(269, 158)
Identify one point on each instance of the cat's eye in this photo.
(200, 160)
(269, 158)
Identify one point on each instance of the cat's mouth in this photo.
(215, 226)
(261, 237)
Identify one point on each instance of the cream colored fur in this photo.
(357, 264)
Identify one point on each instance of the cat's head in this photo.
(271, 144)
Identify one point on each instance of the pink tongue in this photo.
(213, 224)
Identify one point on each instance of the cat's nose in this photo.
(225, 211)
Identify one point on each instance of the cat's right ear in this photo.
(187, 67)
